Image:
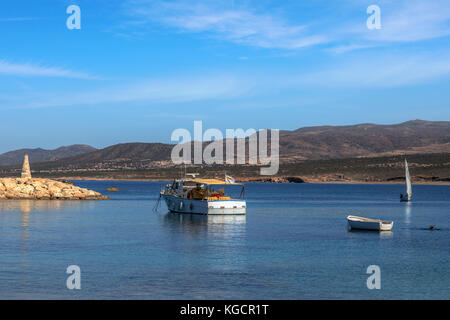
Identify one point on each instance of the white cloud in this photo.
(401, 22)
(382, 71)
(179, 89)
(413, 20)
(350, 47)
(236, 25)
(18, 19)
(365, 71)
(27, 69)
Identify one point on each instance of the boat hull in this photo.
(360, 223)
(205, 207)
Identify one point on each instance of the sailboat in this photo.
(408, 195)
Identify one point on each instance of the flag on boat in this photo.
(229, 179)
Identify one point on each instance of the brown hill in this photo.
(365, 140)
(119, 156)
(310, 143)
(41, 155)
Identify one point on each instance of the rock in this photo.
(44, 189)
(40, 195)
(113, 189)
(294, 180)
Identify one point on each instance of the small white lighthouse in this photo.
(26, 171)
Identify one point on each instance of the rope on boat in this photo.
(157, 205)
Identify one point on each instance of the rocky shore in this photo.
(272, 180)
(44, 189)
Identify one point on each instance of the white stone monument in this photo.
(26, 171)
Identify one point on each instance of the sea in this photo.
(292, 244)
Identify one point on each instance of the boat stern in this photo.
(227, 207)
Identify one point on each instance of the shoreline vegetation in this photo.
(363, 153)
(424, 169)
(261, 180)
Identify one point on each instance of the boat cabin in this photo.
(203, 189)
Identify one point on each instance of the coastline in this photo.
(259, 180)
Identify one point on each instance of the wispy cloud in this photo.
(401, 22)
(179, 89)
(18, 19)
(413, 20)
(377, 71)
(349, 47)
(34, 70)
(381, 71)
(238, 25)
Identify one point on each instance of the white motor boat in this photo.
(361, 223)
(203, 196)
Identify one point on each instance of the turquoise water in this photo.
(293, 244)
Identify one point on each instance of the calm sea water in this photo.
(293, 244)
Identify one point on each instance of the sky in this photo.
(137, 70)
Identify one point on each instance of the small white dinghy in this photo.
(368, 224)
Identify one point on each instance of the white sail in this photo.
(408, 181)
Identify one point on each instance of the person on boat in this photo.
(401, 195)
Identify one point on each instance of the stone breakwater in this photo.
(44, 189)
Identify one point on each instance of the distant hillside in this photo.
(125, 152)
(119, 156)
(309, 143)
(365, 140)
(42, 155)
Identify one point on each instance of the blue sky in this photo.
(138, 69)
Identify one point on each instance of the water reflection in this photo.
(196, 224)
(20, 212)
(381, 234)
(386, 234)
(27, 206)
(24, 222)
(407, 212)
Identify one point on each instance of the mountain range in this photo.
(41, 155)
(308, 143)
(365, 140)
